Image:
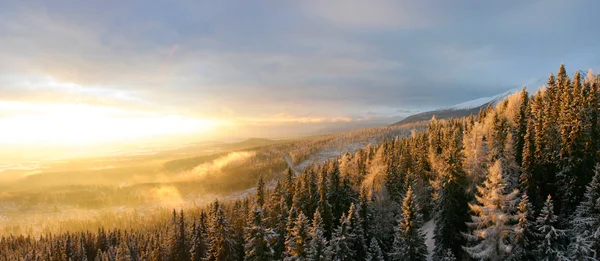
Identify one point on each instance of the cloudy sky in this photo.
(271, 65)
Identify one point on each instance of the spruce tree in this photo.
(521, 121)
(340, 244)
(585, 224)
(198, 244)
(221, 242)
(178, 248)
(297, 242)
(260, 192)
(257, 247)
(290, 186)
(491, 224)
(409, 242)
(375, 253)
(324, 208)
(356, 227)
(524, 232)
(549, 246)
(451, 203)
(318, 245)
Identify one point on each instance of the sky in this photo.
(81, 71)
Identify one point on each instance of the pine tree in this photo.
(257, 247)
(448, 256)
(451, 203)
(341, 248)
(177, 248)
(198, 244)
(318, 245)
(260, 193)
(382, 221)
(337, 196)
(491, 224)
(581, 248)
(221, 243)
(409, 242)
(585, 224)
(549, 242)
(277, 219)
(524, 233)
(324, 208)
(297, 243)
(375, 253)
(356, 228)
(290, 186)
(521, 121)
(527, 182)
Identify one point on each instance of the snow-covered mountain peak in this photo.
(476, 103)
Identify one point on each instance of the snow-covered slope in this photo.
(459, 110)
(494, 100)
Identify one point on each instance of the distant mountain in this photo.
(459, 110)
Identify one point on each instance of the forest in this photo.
(519, 181)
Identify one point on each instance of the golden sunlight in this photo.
(72, 123)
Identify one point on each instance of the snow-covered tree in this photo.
(221, 243)
(375, 253)
(447, 256)
(491, 228)
(297, 242)
(382, 218)
(318, 245)
(257, 237)
(177, 242)
(524, 232)
(451, 202)
(409, 242)
(260, 192)
(580, 248)
(476, 152)
(549, 246)
(356, 226)
(198, 244)
(340, 244)
(585, 224)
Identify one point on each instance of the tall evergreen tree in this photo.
(521, 121)
(260, 192)
(324, 208)
(585, 224)
(375, 253)
(409, 242)
(356, 228)
(178, 245)
(341, 241)
(491, 224)
(318, 245)
(221, 243)
(451, 204)
(257, 237)
(198, 244)
(524, 232)
(297, 243)
(549, 246)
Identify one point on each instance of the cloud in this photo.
(318, 62)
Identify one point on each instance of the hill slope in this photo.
(459, 110)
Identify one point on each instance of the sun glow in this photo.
(72, 123)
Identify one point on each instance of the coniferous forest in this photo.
(520, 181)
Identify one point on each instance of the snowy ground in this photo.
(427, 229)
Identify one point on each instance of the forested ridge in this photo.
(517, 182)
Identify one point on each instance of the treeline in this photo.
(516, 182)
